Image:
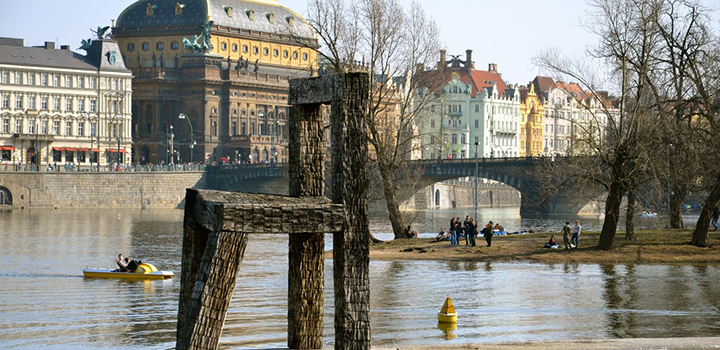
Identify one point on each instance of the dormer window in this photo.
(271, 17)
(250, 14)
(229, 10)
(290, 20)
(179, 9)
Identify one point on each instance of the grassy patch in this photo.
(650, 246)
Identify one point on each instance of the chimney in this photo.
(49, 45)
(492, 68)
(419, 68)
(443, 63)
(468, 59)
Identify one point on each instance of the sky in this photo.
(507, 33)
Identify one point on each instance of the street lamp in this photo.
(476, 181)
(116, 121)
(192, 135)
(87, 116)
(273, 135)
(172, 147)
(37, 145)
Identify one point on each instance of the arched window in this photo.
(437, 197)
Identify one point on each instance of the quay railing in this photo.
(82, 168)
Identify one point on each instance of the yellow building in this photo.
(223, 65)
(532, 111)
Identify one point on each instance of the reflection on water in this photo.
(46, 302)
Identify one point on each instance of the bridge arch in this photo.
(5, 196)
(515, 172)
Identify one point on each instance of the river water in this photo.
(46, 303)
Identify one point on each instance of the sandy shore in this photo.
(663, 246)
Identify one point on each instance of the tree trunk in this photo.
(699, 238)
(630, 217)
(396, 218)
(677, 199)
(612, 208)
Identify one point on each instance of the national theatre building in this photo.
(211, 77)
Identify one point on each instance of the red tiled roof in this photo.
(477, 79)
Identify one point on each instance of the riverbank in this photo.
(595, 344)
(656, 246)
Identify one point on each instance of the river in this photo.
(46, 303)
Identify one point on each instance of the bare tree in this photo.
(389, 41)
(616, 157)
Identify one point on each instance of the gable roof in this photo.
(542, 85)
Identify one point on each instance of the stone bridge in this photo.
(515, 172)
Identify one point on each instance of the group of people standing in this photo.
(468, 229)
(571, 242)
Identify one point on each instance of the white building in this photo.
(60, 107)
(571, 115)
(469, 107)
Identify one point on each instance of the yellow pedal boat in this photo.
(144, 271)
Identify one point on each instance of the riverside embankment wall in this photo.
(100, 190)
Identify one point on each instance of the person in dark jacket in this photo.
(488, 233)
(472, 231)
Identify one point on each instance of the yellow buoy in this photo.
(447, 314)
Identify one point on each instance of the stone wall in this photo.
(100, 190)
(462, 196)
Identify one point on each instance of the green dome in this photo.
(260, 16)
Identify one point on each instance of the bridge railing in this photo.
(426, 162)
(75, 168)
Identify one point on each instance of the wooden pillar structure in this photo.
(217, 224)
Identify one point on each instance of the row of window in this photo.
(263, 129)
(55, 80)
(54, 104)
(265, 50)
(160, 46)
(559, 143)
(456, 108)
(45, 128)
(560, 129)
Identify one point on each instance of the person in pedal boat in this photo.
(127, 265)
(121, 263)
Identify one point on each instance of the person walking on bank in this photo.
(715, 217)
(566, 230)
(453, 233)
(488, 233)
(576, 234)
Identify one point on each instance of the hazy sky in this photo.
(508, 33)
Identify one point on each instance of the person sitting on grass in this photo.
(551, 243)
(442, 235)
(411, 233)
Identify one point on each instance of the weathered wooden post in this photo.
(217, 224)
(306, 273)
(351, 261)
